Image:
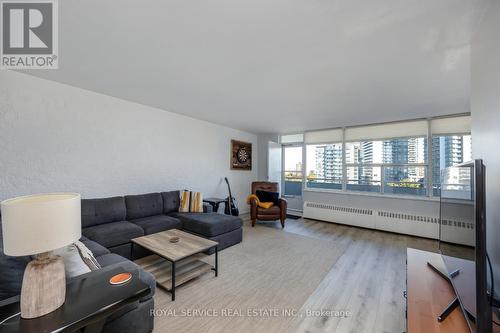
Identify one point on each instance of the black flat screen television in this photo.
(462, 243)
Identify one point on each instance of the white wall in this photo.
(485, 109)
(54, 137)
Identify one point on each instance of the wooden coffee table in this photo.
(175, 263)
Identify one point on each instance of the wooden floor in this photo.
(368, 280)
(363, 290)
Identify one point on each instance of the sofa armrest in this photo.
(9, 307)
(253, 208)
(283, 207)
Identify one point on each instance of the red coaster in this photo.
(120, 278)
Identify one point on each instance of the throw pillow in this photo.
(74, 264)
(185, 201)
(87, 256)
(267, 196)
(196, 202)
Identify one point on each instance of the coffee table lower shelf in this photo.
(185, 270)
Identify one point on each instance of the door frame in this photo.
(284, 146)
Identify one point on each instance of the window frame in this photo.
(382, 167)
(428, 165)
(430, 148)
(283, 171)
(304, 166)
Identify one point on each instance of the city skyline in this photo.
(325, 165)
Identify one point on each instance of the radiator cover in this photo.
(399, 222)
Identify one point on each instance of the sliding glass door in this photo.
(293, 176)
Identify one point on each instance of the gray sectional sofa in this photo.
(113, 222)
(109, 224)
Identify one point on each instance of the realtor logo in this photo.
(29, 34)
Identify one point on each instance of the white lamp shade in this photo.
(40, 223)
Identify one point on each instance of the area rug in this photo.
(262, 283)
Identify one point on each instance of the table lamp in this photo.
(37, 225)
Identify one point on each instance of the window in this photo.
(391, 158)
(363, 178)
(292, 173)
(395, 166)
(324, 166)
(448, 150)
(405, 180)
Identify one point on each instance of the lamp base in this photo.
(44, 286)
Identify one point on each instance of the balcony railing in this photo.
(293, 183)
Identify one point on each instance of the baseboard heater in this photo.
(399, 222)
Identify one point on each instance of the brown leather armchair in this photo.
(270, 214)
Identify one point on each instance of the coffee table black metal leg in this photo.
(173, 281)
(216, 261)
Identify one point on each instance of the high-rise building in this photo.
(448, 151)
(366, 157)
(319, 169)
(329, 162)
(405, 151)
(396, 151)
(352, 156)
(417, 153)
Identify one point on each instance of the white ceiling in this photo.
(273, 65)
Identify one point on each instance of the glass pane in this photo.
(393, 151)
(293, 171)
(456, 183)
(324, 166)
(407, 150)
(352, 152)
(405, 180)
(364, 152)
(364, 179)
(447, 151)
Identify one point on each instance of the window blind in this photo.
(325, 136)
(451, 125)
(292, 138)
(384, 131)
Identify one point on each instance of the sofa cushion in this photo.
(157, 223)
(268, 196)
(143, 205)
(96, 248)
(112, 234)
(124, 250)
(105, 210)
(226, 240)
(12, 271)
(273, 210)
(171, 201)
(209, 224)
(110, 259)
